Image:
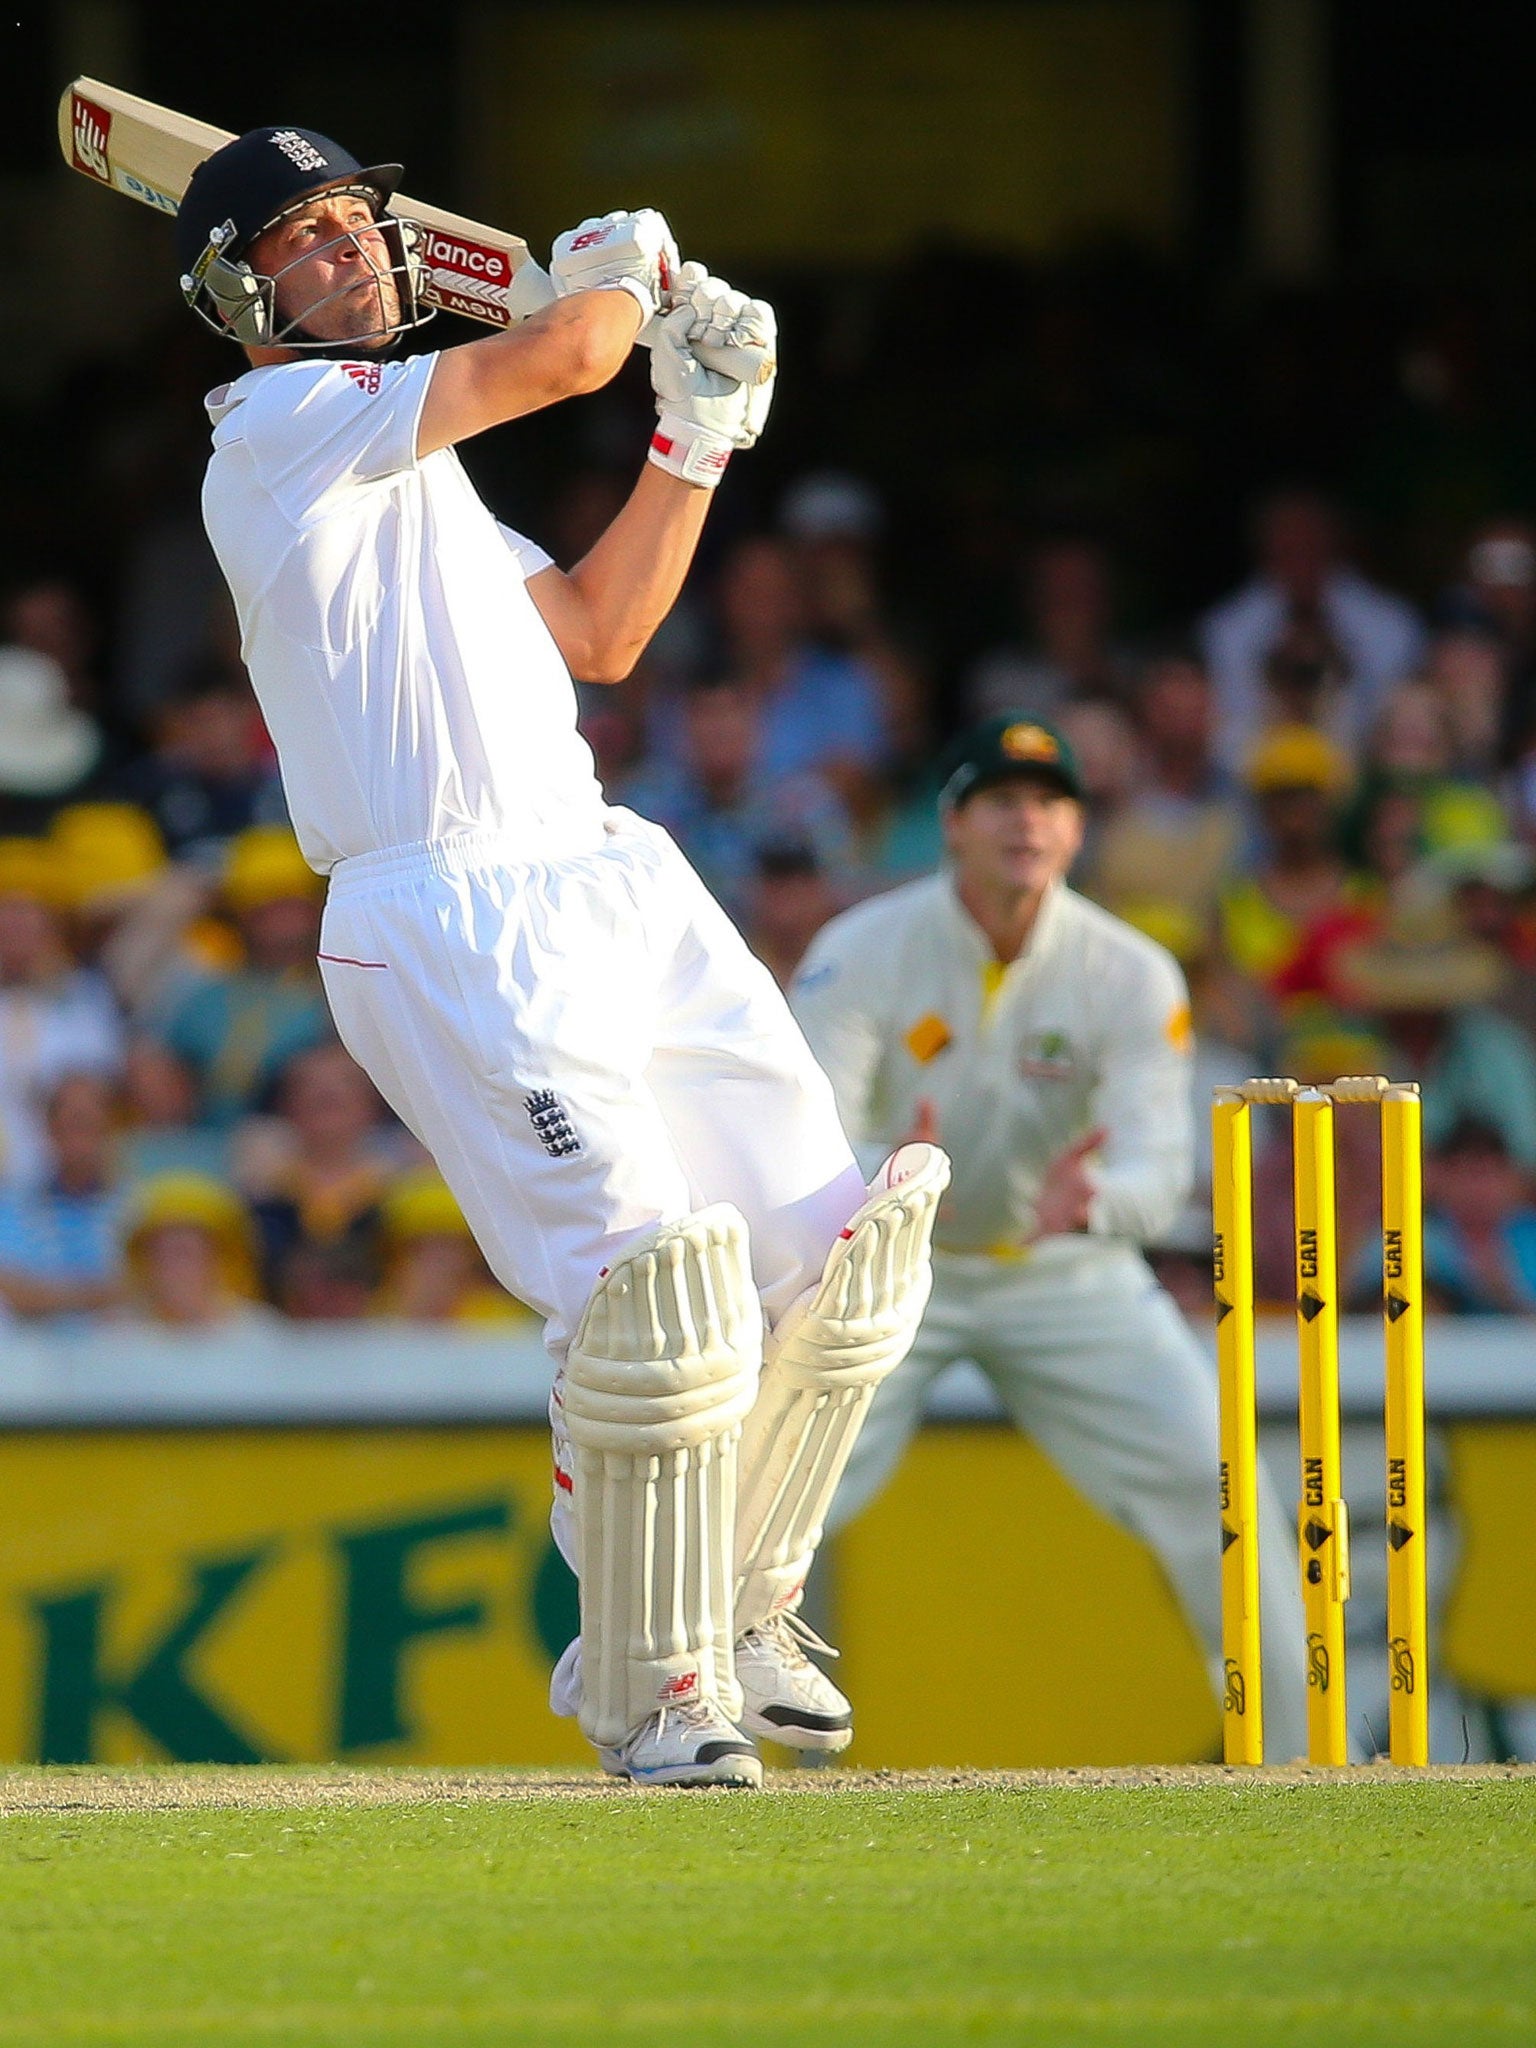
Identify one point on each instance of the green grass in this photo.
(1328, 1914)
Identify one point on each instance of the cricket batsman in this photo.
(1047, 1043)
(537, 983)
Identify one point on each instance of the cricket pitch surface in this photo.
(1142, 1907)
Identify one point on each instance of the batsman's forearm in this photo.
(631, 579)
(572, 347)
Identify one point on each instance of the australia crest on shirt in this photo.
(1047, 1056)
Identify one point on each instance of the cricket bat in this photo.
(149, 153)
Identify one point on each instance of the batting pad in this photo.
(660, 1375)
(824, 1361)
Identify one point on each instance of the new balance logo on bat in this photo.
(92, 127)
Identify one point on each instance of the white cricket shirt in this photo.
(903, 1002)
(410, 686)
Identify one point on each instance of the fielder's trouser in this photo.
(1096, 1365)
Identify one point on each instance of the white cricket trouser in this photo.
(1095, 1364)
(587, 1048)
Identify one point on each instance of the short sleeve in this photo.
(529, 556)
(313, 430)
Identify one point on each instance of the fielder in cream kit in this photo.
(538, 983)
(1046, 1044)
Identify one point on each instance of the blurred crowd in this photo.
(1319, 793)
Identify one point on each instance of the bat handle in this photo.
(750, 365)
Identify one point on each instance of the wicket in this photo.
(1322, 1521)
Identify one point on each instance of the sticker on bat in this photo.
(150, 195)
(471, 260)
(468, 277)
(92, 127)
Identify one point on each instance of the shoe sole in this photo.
(796, 1734)
(743, 1774)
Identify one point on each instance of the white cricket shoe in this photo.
(690, 1744)
(788, 1699)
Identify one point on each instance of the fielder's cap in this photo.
(1011, 744)
(250, 181)
(1297, 757)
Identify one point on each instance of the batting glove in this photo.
(705, 414)
(632, 252)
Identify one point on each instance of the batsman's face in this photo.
(333, 268)
(1015, 836)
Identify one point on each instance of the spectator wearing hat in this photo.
(49, 749)
(48, 615)
(190, 1253)
(107, 858)
(1492, 893)
(1429, 989)
(238, 1029)
(1047, 1046)
(1304, 589)
(60, 1257)
(55, 1017)
(434, 1270)
(1300, 893)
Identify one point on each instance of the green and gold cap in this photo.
(1011, 744)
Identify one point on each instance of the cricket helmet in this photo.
(247, 187)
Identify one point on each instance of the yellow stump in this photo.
(1242, 1702)
(1402, 1226)
(1323, 1527)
